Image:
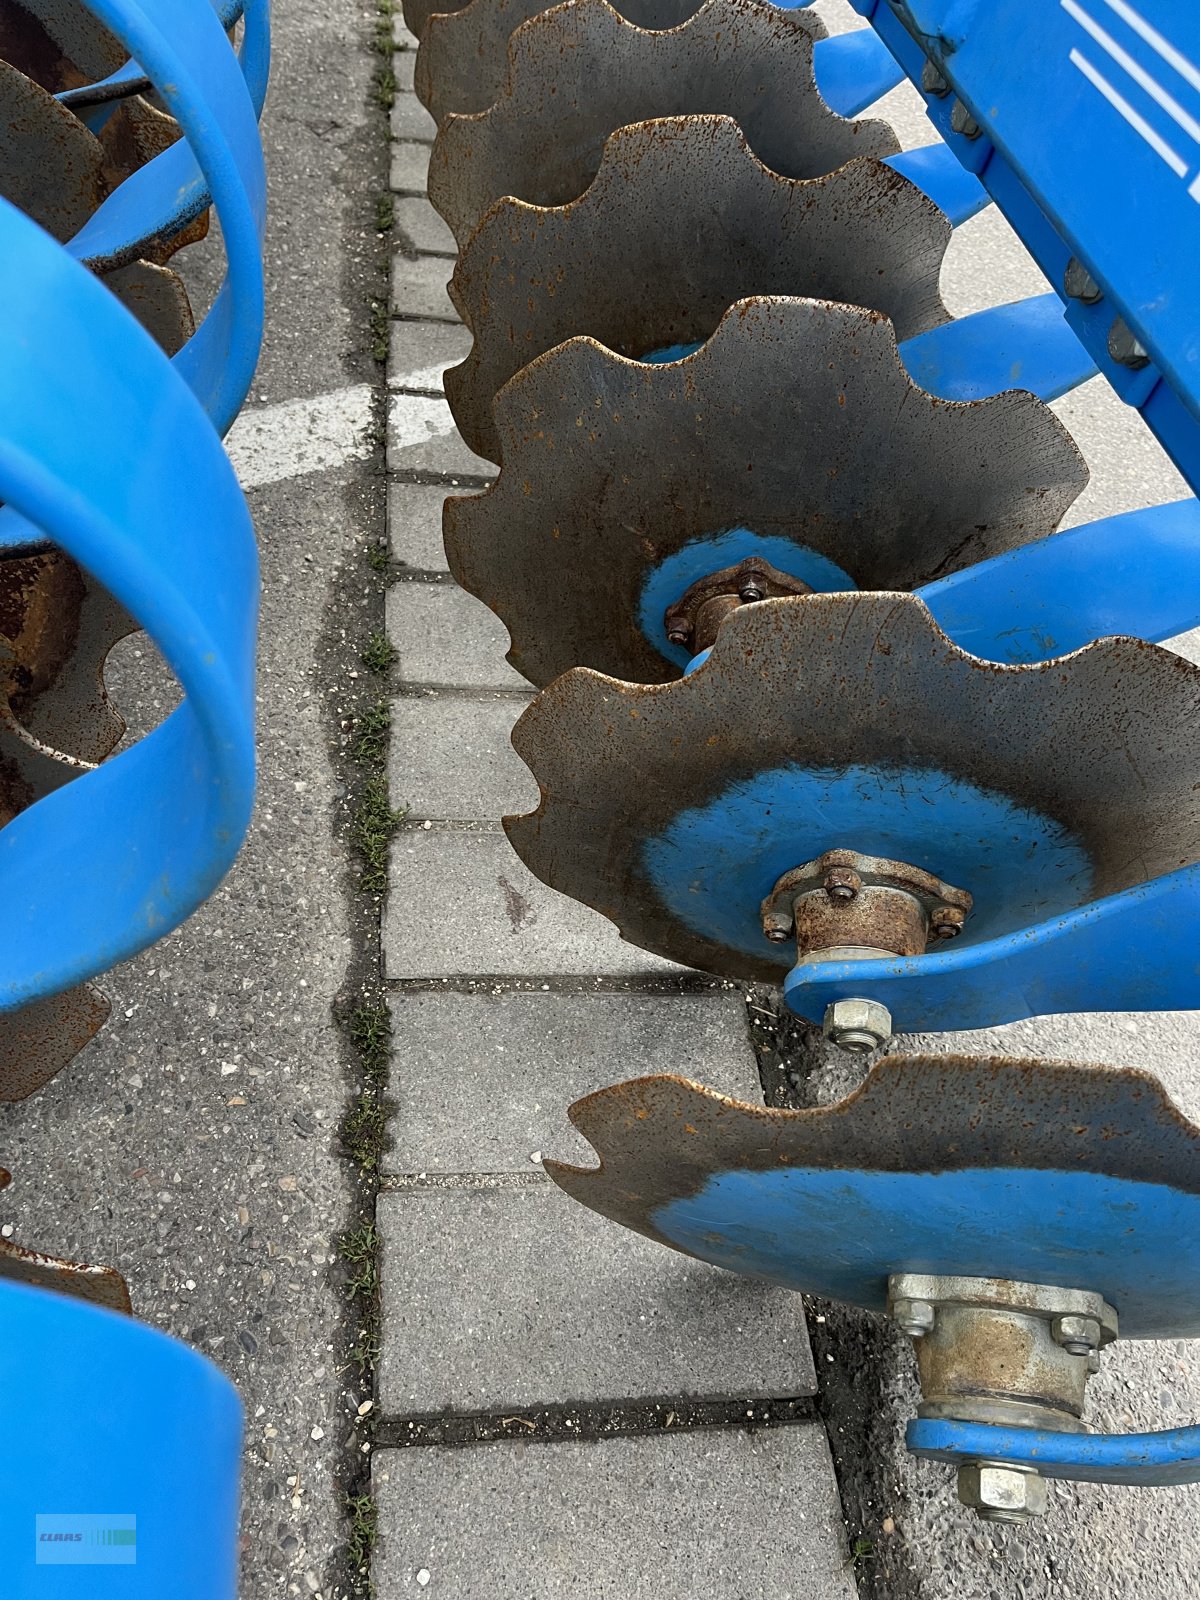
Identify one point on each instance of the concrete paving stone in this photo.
(445, 636)
(422, 437)
(404, 39)
(494, 1299)
(420, 352)
(464, 905)
(410, 120)
(404, 64)
(423, 228)
(452, 760)
(409, 167)
(419, 287)
(415, 525)
(528, 1056)
(716, 1513)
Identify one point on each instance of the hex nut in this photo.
(999, 1493)
(858, 1025)
(842, 883)
(915, 1317)
(1077, 1335)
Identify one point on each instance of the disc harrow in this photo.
(829, 699)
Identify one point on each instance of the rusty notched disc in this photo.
(851, 721)
(681, 222)
(580, 71)
(959, 1164)
(796, 420)
(462, 59)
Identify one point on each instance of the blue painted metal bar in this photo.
(1076, 962)
(1138, 574)
(188, 57)
(1088, 145)
(853, 70)
(143, 1433)
(1026, 345)
(129, 79)
(144, 498)
(1144, 1460)
(937, 173)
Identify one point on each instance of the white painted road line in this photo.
(269, 443)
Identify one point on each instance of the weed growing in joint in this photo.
(380, 331)
(370, 1028)
(371, 735)
(359, 1250)
(363, 1524)
(372, 831)
(379, 654)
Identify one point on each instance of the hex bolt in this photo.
(857, 1025)
(1079, 1336)
(947, 922)
(678, 635)
(963, 122)
(842, 883)
(1000, 1493)
(1079, 283)
(932, 81)
(751, 591)
(1125, 347)
(915, 1317)
(778, 926)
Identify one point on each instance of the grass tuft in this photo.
(379, 654)
(371, 832)
(371, 735)
(380, 331)
(370, 1028)
(364, 1522)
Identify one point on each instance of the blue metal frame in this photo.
(215, 99)
(1088, 140)
(1143, 1460)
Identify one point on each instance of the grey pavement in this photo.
(670, 1517)
(529, 1056)
(551, 1304)
(463, 905)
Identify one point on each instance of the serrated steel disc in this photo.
(58, 43)
(51, 166)
(57, 627)
(580, 71)
(39, 1040)
(794, 432)
(851, 721)
(463, 54)
(156, 296)
(102, 1286)
(681, 222)
(1048, 1172)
